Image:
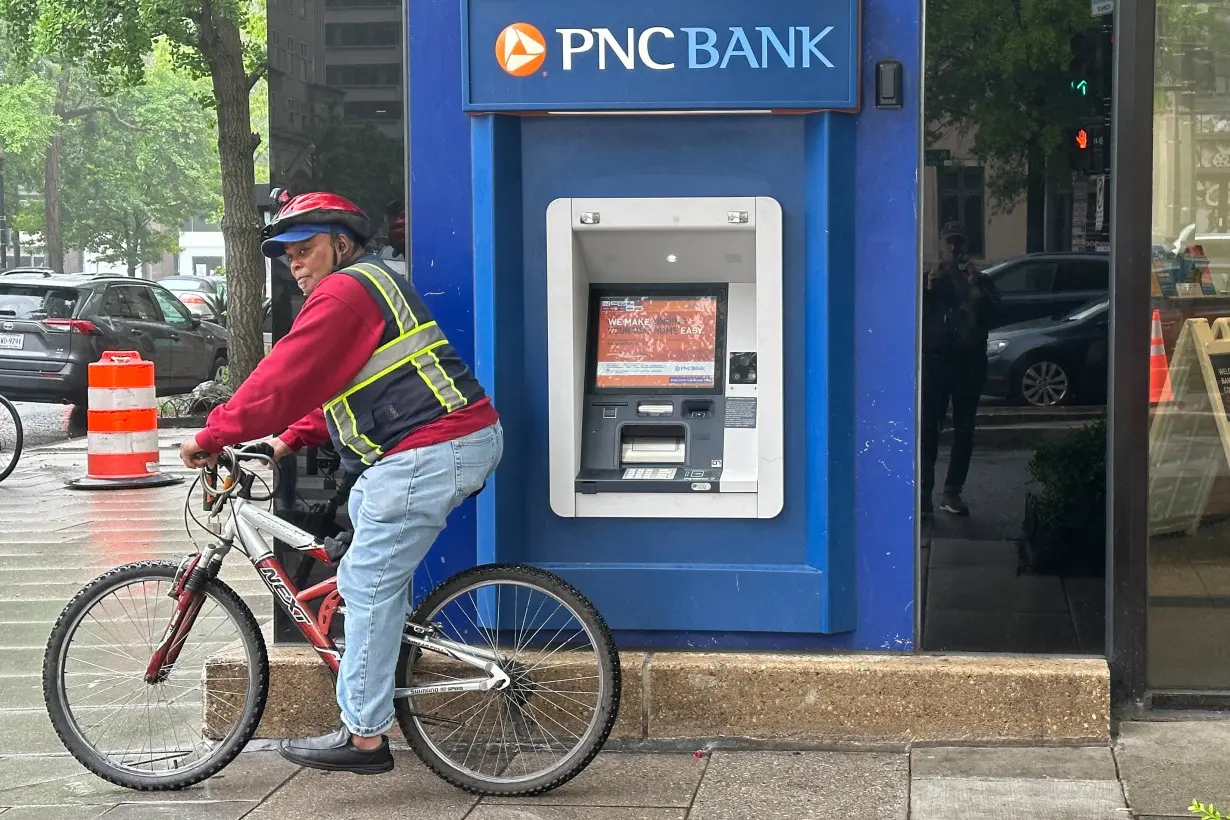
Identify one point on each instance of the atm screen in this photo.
(656, 342)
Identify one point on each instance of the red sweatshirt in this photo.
(336, 332)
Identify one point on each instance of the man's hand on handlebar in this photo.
(193, 456)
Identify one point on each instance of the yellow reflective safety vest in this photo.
(415, 376)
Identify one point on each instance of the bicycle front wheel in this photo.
(11, 438)
(548, 723)
(172, 732)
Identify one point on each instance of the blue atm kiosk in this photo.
(693, 242)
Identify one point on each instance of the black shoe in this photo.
(335, 753)
(951, 502)
(928, 509)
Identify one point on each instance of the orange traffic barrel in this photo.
(122, 426)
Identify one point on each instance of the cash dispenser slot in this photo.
(652, 444)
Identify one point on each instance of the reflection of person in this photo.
(427, 438)
(958, 306)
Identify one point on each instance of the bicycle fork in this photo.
(187, 592)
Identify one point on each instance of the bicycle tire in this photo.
(65, 726)
(7, 407)
(605, 648)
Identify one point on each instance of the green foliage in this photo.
(1065, 526)
(1205, 812)
(357, 161)
(997, 72)
(128, 190)
(134, 165)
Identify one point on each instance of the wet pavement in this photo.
(48, 423)
(54, 540)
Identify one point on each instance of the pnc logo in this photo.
(521, 49)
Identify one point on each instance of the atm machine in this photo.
(664, 351)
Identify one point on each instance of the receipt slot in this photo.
(664, 348)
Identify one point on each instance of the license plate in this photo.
(12, 341)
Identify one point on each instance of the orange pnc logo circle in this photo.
(521, 49)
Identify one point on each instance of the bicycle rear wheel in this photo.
(546, 726)
(11, 437)
(171, 733)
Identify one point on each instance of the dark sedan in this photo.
(1039, 285)
(1051, 362)
(53, 327)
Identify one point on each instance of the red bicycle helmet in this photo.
(314, 211)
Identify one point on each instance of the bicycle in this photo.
(11, 438)
(455, 629)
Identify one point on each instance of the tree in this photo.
(357, 161)
(111, 39)
(129, 188)
(999, 72)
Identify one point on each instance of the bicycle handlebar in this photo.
(239, 479)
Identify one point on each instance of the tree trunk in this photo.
(53, 231)
(241, 223)
(1035, 200)
(52, 226)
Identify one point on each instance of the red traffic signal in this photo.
(1082, 139)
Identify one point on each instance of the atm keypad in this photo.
(650, 473)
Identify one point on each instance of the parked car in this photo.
(1051, 362)
(52, 328)
(1039, 285)
(205, 296)
(17, 271)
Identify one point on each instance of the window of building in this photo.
(303, 49)
(374, 74)
(351, 35)
(373, 110)
(962, 192)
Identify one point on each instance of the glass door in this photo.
(1189, 392)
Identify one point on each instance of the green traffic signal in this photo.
(1081, 86)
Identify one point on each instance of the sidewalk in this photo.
(54, 540)
(1156, 768)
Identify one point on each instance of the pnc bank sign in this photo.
(646, 55)
(521, 48)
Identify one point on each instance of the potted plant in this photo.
(1065, 518)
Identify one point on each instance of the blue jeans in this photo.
(398, 507)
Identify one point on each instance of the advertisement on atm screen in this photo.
(654, 342)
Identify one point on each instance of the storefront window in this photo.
(1015, 326)
(1189, 436)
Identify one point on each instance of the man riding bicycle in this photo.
(365, 365)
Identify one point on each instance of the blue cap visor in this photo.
(276, 246)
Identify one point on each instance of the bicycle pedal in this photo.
(422, 631)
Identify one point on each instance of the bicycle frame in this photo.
(246, 528)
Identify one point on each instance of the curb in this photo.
(893, 699)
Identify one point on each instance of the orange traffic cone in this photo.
(1159, 370)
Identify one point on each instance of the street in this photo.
(46, 423)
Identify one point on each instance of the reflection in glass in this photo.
(1189, 470)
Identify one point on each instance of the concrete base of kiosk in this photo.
(777, 699)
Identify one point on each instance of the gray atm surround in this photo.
(735, 242)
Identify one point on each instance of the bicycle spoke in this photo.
(537, 721)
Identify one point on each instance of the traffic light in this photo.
(1090, 63)
(1088, 145)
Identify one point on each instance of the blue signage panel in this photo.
(651, 55)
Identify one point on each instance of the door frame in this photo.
(1127, 451)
